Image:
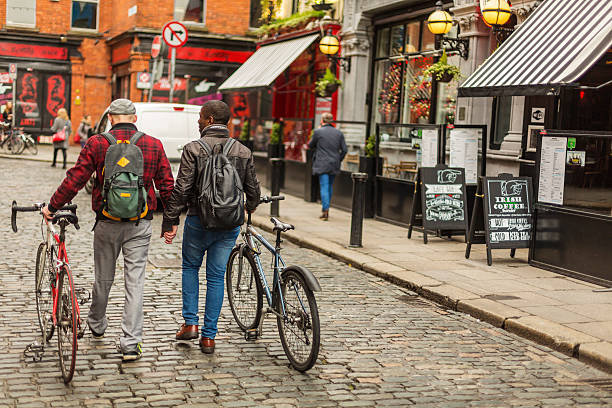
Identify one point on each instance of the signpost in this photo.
(13, 76)
(503, 214)
(155, 51)
(175, 35)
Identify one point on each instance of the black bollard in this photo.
(359, 188)
(275, 184)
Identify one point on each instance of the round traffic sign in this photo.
(144, 77)
(156, 46)
(174, 34)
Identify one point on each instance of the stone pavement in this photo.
(382, 345)
(554, 310)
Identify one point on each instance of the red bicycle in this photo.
(57, 302)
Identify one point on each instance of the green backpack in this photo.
(124, 196)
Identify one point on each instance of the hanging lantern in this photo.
(496, 12)
(439, 22)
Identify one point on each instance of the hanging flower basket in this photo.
(445, 77)
(327, 85)
(331, 88)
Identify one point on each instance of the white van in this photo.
(173, 124)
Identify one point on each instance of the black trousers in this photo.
(55, 150)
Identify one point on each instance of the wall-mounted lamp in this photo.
(330, 45)
(439, 23)
(496, 13)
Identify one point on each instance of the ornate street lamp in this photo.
(330, 45)
(439, 23)
(496, 13)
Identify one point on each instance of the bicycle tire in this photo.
(44, 295)
(67, 325)
(31, 146)
(245, 302)
(300, 322)
(17, 145)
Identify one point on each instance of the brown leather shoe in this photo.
(324, 215)
(187, 332)
(207, 345)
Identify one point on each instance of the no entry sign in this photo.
(156, 46)
(174, 34)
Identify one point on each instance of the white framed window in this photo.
(21, 13)
(84, 14)
(190, 11)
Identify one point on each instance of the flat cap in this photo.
(122, 107)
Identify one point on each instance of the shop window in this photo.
(397, 39)
(255, 16)
(428, 39)
(412, 37)
(190, 10)
(21, 12)
(388, 91)
(382, 46)
(417, 89)
(503, 113)
(85, 14)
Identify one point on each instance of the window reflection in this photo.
(189, 10)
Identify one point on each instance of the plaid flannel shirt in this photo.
(156, 169)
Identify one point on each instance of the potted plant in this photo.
(328, 84)
(245, 134)
(276, 147)
(442, 71)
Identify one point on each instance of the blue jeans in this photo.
(217, 245)
(326, 182)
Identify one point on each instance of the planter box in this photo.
(368, 165)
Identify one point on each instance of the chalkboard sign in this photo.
(443, 198)
(508, 211)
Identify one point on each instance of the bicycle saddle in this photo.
(69, 216)
(281, 226)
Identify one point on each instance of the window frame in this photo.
(188, 22)
(14, 24)
(89, 30)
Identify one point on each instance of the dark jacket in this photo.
(329, 150)
(192, 163)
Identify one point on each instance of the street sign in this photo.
(143, 80)
(156, 46)
(13, 71)
(174, 34)
(5, 78)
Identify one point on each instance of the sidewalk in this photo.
(45, 154)
(551, 309)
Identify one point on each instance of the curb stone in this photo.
(570, 342)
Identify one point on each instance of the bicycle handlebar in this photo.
(33, 208)
(269, 199)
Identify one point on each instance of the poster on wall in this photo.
(443, 198)
(464, 152)
(56, 95)
(28, 98)
(429, 148)
(552, 170)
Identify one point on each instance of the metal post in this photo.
(275, 184)
(14, 113)
(359, 188)
(172, 64)
(153, 74)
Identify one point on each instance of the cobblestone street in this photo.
(381, 345)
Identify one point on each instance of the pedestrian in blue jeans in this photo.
(197, 240)
(329, 150)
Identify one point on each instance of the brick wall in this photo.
(228, 16)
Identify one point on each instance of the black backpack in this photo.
(220, 199)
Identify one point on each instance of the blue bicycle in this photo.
(291, 299)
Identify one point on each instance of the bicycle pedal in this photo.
(35, 351)
(83, 295)
(251, 334)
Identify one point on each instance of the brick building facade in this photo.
(80, 54)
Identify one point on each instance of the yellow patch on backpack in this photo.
(125, 195)
(123, 162)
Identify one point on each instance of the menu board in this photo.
(464, 152)
(429, 148)
(443, 198)
(552, 170)
(508, 211)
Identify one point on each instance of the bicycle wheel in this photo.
(300, 330)
(44, 295)
(17, 145)
(67, 325)
(244, 290)
(31, 145)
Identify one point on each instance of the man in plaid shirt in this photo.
(112, 237)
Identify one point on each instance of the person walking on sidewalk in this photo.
(329, 150)
(62, 121)
(197, 240)
(84, 130)
(113, 235)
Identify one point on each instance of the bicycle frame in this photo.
(248, 237)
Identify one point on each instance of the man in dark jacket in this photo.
(112, 237)
(329, 151)
(214, 117)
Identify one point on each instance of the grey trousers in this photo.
(110, 238)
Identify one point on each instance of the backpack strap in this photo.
(228, 146)
(135, 137)
(111, 139)
(205, 145)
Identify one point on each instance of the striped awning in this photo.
(553, 48)
(266, 64)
